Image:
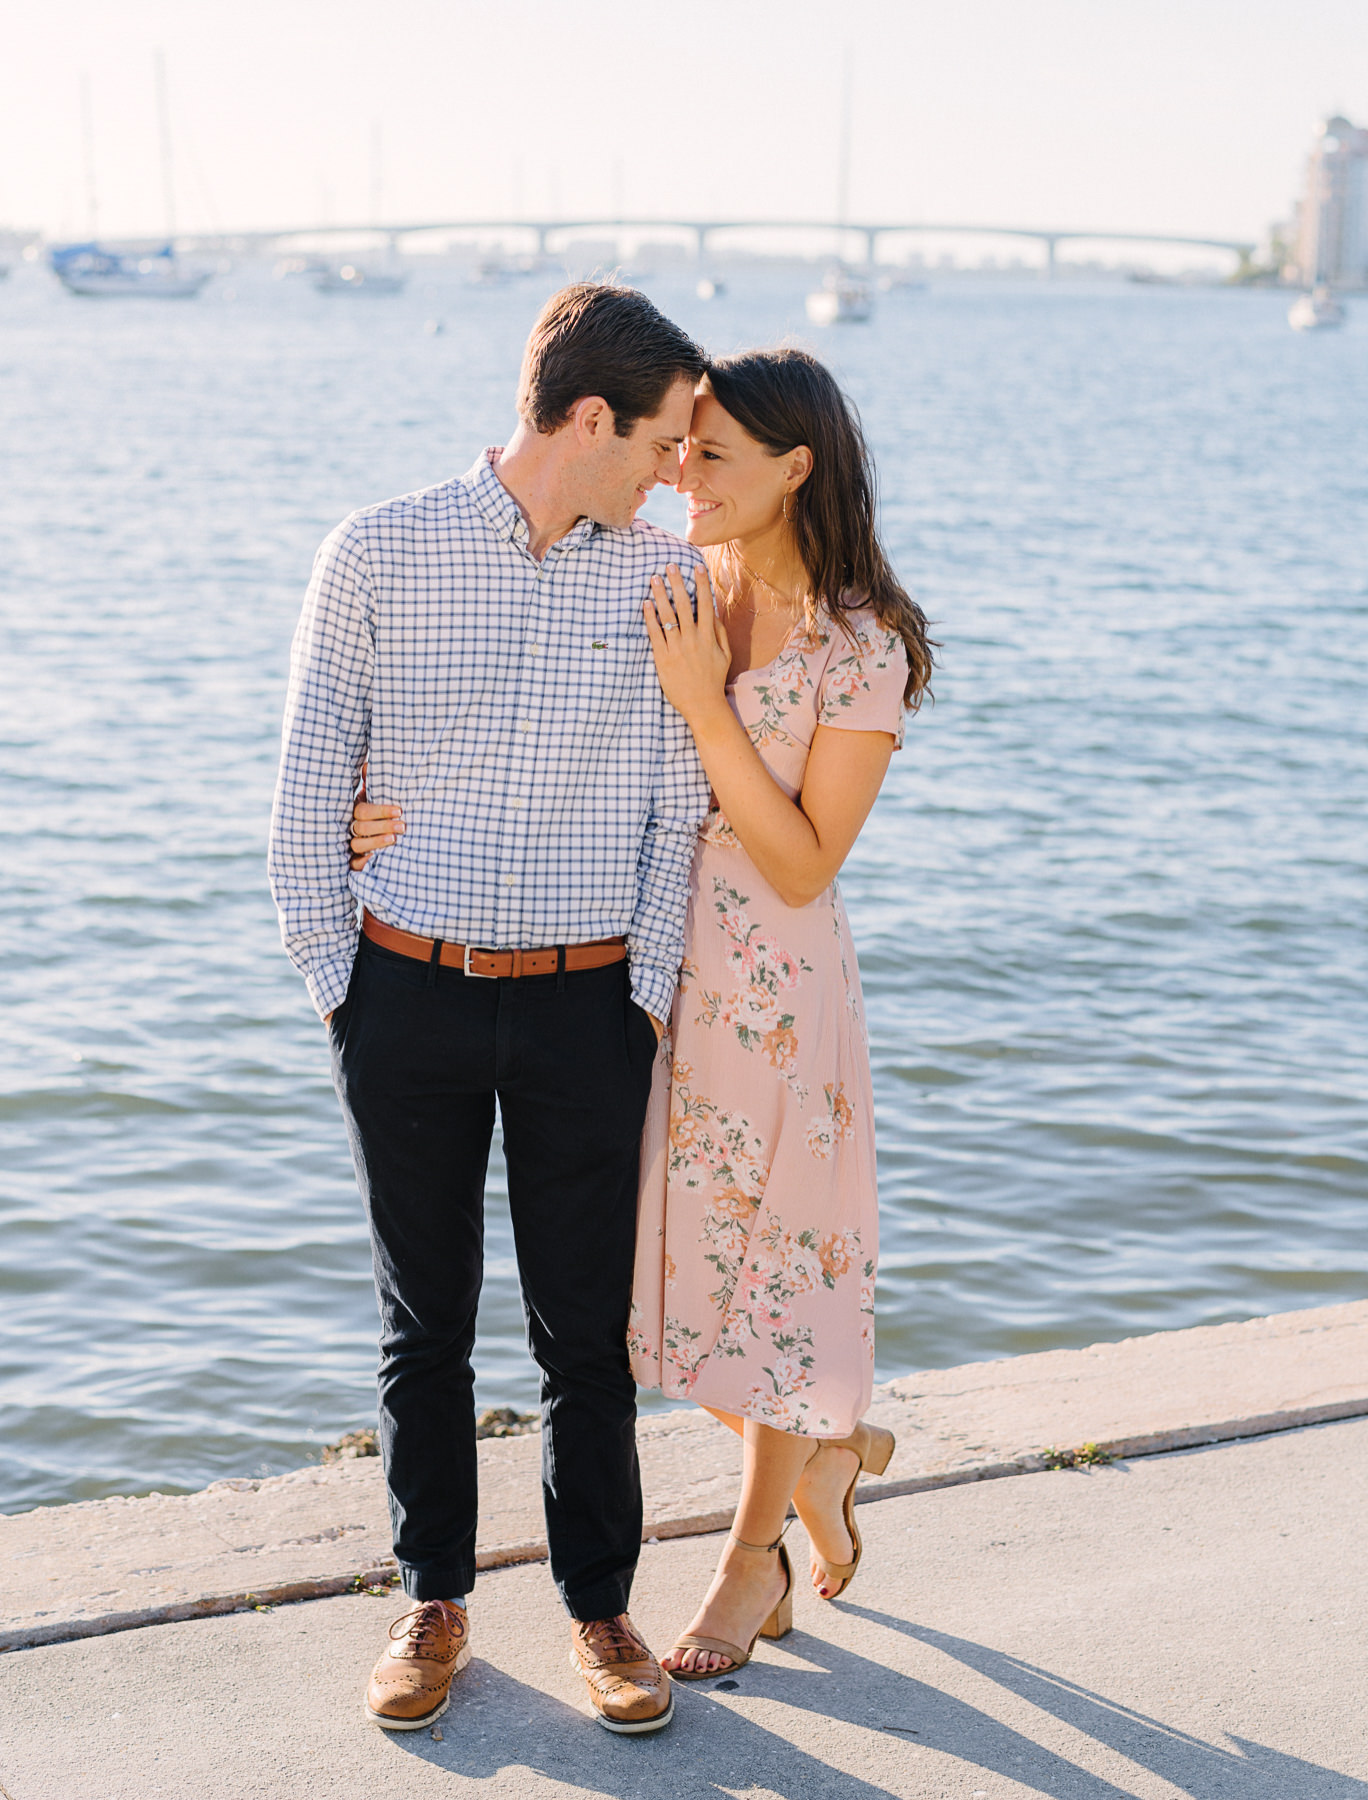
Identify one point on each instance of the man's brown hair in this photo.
(597, 338)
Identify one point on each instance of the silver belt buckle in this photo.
(476, 974)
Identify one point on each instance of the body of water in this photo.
(1110, 906)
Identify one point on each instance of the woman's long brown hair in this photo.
(784, 398)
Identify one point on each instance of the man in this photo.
(480, 646)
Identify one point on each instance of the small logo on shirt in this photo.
(598, 644)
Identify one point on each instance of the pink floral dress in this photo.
(757, 1230)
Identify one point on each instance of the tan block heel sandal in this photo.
(776, 1625)
(874, 1446)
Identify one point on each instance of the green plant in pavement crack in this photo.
(1087, 1456)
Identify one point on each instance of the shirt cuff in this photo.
(328, 985)
(654, 989)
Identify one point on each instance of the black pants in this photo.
(419, 1054)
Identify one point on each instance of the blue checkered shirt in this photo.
(551, 794)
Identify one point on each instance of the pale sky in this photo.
(1167, 115)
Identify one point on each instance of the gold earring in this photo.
(784, 506)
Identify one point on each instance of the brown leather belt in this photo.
(495, 964)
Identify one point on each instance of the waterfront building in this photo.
(1332, 217)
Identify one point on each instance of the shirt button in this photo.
(509, 880)
(527, 724)
(517, 805)
(534, 649)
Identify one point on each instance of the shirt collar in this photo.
(504, 513)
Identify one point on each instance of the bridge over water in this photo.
(710, 234)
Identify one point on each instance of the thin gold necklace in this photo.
(791, 601)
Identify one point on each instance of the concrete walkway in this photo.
(108, 1565)
(1189, 1624)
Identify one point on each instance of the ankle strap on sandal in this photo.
(763, 1549)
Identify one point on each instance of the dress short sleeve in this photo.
(862, 685)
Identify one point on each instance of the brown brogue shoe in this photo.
(411, 1684)
(629, 1689)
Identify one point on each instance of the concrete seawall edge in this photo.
(115, 1565)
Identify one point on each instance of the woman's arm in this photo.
(798, 846)
(375, 826)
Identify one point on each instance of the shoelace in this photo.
(612, 1641)
(421, 1627)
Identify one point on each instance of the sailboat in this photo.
(1317, 311)
(844, 297)
(94, 269)
(356, 277)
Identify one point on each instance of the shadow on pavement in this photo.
(712, 1749)
(901, 1709)
(707, 1752)
(1207, 1771)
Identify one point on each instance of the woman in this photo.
(757, 1228)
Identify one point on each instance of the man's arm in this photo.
(325, 739)
(679, 804)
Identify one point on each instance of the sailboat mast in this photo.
(164, 127)
(376, 173)
(88, 156)
(843, 297)
(843, 152)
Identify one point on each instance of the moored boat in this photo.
(351, 278)
(842, 299)
(94, 271)
(1317, 311)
